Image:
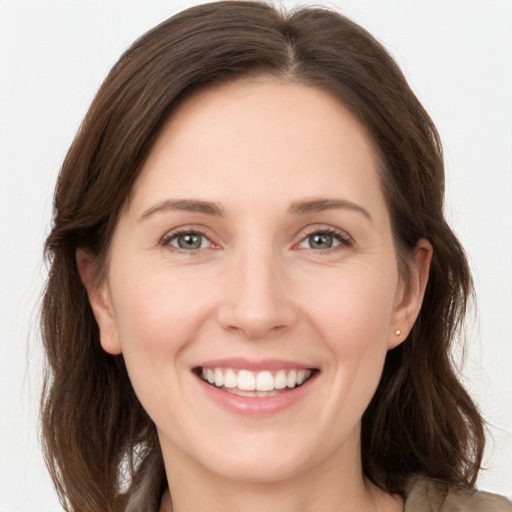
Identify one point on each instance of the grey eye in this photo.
(321, 241)
(189, 241)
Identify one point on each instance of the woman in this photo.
(253, 289)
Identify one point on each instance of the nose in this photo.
(256, 300)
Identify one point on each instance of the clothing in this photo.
(427, 495)
(423, 495)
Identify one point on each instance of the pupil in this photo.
(189, 241)
(321, 241)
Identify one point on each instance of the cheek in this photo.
(354, 319)
(158, 315)
(352, 307)
(157, 309)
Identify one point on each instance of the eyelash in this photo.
(343, 238)
(340, 236)
(169, 237)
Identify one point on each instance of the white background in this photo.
(457, 55)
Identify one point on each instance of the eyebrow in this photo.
(187, 205)
(216, 210)
(321, 204)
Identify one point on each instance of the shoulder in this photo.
(426, 495)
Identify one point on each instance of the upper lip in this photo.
(255, 365)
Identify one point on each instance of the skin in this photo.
(258, 289)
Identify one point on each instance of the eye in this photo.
(325, 239)
(187, 241)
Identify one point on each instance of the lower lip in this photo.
(257, 406)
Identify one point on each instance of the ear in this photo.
(409, 296)
(99, 298)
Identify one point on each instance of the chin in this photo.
(265, 467)
(264, 457)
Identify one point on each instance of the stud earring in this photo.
(398, 332)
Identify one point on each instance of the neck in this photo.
(328, 487)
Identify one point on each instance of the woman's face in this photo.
(256, 251)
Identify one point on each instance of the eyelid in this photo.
(186, 230)
(342, 236)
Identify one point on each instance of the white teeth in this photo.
(219, 377)
(301, 377)
(230, 379)
(240, 392)
(260, 394)
(291, 380)
(247, 383)
(280, 380)
(264, 381)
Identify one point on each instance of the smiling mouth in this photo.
(255, 384)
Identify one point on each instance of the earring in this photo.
(398, 332)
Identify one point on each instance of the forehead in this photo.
(261, 138)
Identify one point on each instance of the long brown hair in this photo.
(99, 442)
